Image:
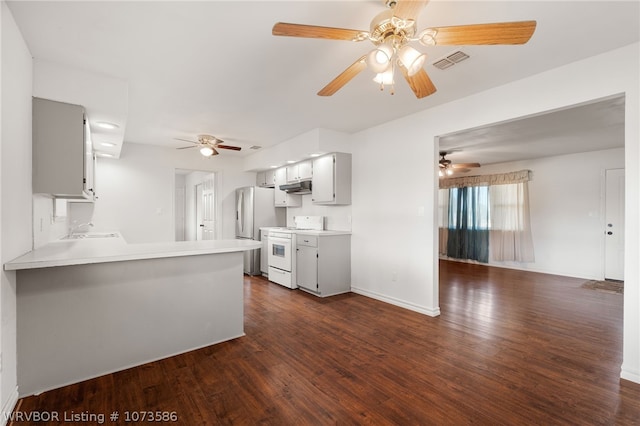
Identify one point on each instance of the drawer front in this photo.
(307, 240)
(280, 277)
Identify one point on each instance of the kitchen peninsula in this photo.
(90, 307)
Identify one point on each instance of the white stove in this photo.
(282, 248)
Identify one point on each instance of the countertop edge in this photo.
(30, 260)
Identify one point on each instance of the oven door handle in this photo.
(279, 240)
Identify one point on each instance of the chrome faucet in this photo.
(73, 229)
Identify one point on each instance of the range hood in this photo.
(303, 187)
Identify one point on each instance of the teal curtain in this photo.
(469, 223)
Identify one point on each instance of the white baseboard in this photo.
(397, 302)
(632, 376)
(8, 406)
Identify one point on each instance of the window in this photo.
(488, 217)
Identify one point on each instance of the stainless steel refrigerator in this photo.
(255, 209)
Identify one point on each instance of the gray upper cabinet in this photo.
(63, 160)
(266, 179)
(331, 183)
(300, 171)
(281, 198)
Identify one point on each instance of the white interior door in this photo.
(614, 224)
(208, 209)
(199, 213)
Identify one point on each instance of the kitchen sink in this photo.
(92, 235)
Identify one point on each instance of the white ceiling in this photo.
(594, 126)
(214, 67)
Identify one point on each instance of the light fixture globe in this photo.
(206, 151)
(378, 59)
(411, 59)
(385, 77)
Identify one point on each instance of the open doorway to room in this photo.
(572, 154)
(195, 205)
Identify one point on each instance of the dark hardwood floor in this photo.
(509, 348)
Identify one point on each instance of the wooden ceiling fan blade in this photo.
(420, 82)
(231, 147)
(314, 31)
(465, 165)
(480, 34)
(409, 9)
(186, 140)
(344, 77)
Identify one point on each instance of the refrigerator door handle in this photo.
(239, 212)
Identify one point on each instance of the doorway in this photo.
(568, 150)
(195, 205)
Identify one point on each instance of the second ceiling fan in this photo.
(391, 32)
(208, 145)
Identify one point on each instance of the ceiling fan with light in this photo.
(447, 168)
(392, 31)
(208, 145)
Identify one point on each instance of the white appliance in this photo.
(282, 246)
(255, 208)
(281, 257)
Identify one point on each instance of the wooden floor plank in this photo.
(510, 347)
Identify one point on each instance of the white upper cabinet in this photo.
(331, 182)
(300, 171)
(63, 161)
(281, 198)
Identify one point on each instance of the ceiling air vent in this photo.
(450, 60)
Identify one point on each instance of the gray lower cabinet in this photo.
(323, 264)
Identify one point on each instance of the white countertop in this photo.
(100, 250)
(306, 231)
(325, 232)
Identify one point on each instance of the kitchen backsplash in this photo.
(337, 218)
(53, 218)
(46, 226)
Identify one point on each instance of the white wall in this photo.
(394, 194)
(15, 148)
(316, 141)
(135, 192)
(566, 197)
